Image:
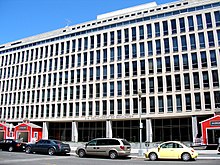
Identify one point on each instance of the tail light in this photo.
(122, 147)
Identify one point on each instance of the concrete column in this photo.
(109, 129)
(45, 130)
(75, 131)
(149, 135)
(194, 128)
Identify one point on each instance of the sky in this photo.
(25, 18)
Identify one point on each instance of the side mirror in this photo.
(158, 149)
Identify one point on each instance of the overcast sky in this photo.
(25, 18)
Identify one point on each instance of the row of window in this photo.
(64, 47)
(177, 103)
(155, 65)
(157, 84)
(123, 23)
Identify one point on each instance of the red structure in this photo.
(211, 130)
(28, 132)
(6, 130)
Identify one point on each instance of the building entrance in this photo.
(213, 136)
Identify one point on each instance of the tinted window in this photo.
(125, 142)
(102, 142)
(113, 142)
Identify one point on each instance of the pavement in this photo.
(203, 154)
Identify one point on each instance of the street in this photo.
(18, 158)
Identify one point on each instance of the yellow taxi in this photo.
(171, 150)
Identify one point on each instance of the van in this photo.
(110, 147)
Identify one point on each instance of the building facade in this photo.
(84, 81)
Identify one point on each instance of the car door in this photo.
(91, 147)
(166, 150)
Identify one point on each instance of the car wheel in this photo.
(113, 154)
(51, 151)
(153, 156)
(81, 153)
(186, 156)
(10, 149)
(28, 150)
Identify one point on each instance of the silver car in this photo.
(111, 147)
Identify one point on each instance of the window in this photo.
(217, 18)
(158, 47)
(152, 105)
(185, 61)
(188, 102)
(203, 59)
(213, 58)
(197, 101)
(169, 103)
(151, 84)
(173, 26)
(177, 82)
(191, 23)
(111, 106)
(211, 39)
(161, 104)
(196, 80)
(182, 25)
(194, 61)
(175, 44)
(160, 83)
(186, 81)
(159, 65)
(217, 99)
(207, 100)
(199, 22)
(215, 78)
(149, 31)
(201, 40)
(208, 20)
(205, 79)
(157, 29)
(178, 103)
(192, 41)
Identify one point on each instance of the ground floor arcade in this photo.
(154, 130)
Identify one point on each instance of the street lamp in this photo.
(140, 123)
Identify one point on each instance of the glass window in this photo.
(208, 20)
(186, 81)
(197, 101)
(205, 79)
(199, 22)
(161, 104)
(178, 103)
(175, 44)
(188, 102)
(173, 26)
(213, 58)
(191, 23)
(211, 39)
(165, 28)
(157, 29)
(149, 31)
(207, 100)
(217, 18)
(182, 25)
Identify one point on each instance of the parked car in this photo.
(12, 145)
(171, 150)
(111, 147)
(50, 147)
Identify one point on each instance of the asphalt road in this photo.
(18, 158)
